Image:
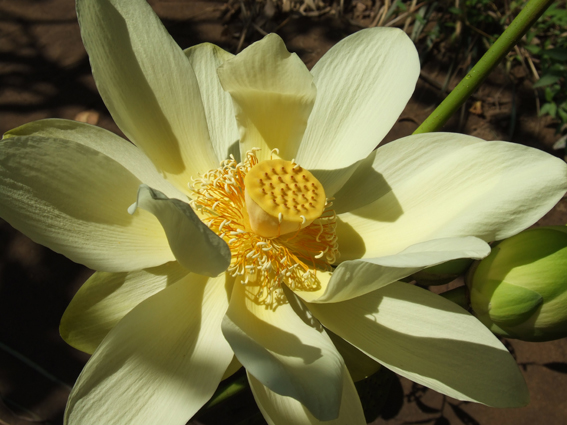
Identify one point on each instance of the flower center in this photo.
(275, 218)
(281, 198)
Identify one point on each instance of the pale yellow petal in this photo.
(148, 85)
(429, 340)
(281, 410)
(205, 58)
(74, 199)
(363, 84)
(285, 349)
(195, 246)
(162, 361)
(105, 298)
(441, 185)
(273, 94)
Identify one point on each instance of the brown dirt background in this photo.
(44, 72)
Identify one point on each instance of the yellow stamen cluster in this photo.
(219, 198)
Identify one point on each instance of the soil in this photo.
(44, 72)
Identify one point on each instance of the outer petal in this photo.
(105, 142)
(148, 85)
(105, 298)
(161, 363)
(273, 95)
(194, 245)
(280, 410)
(290, 354)
(442, 185)
(205, 58)
(363, 84)
(358, 364)
(429, 340)
(358, 277)
(74, 200)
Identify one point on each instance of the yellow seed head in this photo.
(276, 204)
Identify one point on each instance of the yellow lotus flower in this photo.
(225, 261)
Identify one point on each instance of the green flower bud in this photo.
(442, 273)
(520, 289)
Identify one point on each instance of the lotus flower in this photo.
(251, 221)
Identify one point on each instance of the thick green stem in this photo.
(519, 26)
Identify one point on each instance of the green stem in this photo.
(519, 26)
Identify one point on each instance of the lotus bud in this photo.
(442, 273)
(520, 289)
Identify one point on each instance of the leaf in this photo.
(556, 367)
(556, 53)
(547, 79)
(548, 108)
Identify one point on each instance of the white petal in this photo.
(358, 277)
(205, 58)
(161, 363)
(74, 200)
(363, 84)
(105, 142)
(429, 340)
(148, 85)
(105, 298)
(195, 246)
(359, 365)
(441, 185)
(280, 410)
(273, 94)
(290, 354)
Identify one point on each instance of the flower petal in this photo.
(363, 84)
(105, 298)
(205, 58)
(74, 200)
(161, 363)
(359, 365)
(441, 185)
(195, 246)
(289, 353)
(148, 85)
(429, 340)
(358, 277)
(278, 410)
(105, 142)
(273, 94)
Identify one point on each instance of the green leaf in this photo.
(556, 53)
(547, 79)
(549, 108)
